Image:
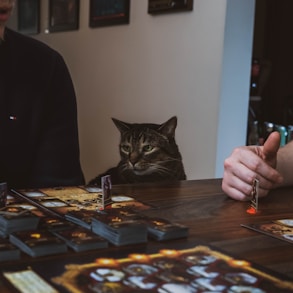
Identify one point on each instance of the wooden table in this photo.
(212, 217)
(216, 219)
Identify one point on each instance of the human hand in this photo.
(249, 162)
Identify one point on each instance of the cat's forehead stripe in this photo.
(135, 138)
(135, 133)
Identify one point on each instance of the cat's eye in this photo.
(126, 148)
(148, 148)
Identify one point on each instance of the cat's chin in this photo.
(141, 172)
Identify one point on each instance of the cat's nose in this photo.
(133, 162)
(133, 158)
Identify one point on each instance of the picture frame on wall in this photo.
(109, 12)
(169, 6)
(63, 15)
(28, 16)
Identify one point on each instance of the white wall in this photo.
(235, 83)
(157, 67)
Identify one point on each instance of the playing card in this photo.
(273, 229)
(17, 219)
(106, 190)
(162, 229)
(8, 251)
(81, 239)
(38, 243)
(120, 226)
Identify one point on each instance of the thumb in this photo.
(271, 146)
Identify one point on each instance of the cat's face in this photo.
(146, 148)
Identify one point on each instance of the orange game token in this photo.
(251, 210)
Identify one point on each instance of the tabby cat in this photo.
(148, 153)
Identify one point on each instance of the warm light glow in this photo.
(12, 210)
(140, 257)
(170, 252)
(238, 263)
(107, 262)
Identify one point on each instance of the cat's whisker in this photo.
(161, 169)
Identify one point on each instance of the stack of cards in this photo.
(161, 229)
(82, 218)
(8, 251)
(81, 239)
(16, 219)
(120, 226)
(54, 224)
(38, 243)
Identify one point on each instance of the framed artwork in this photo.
(28, 16)
(109, 12)
(168, 6)
(63, 15)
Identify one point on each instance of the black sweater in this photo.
(38, 116)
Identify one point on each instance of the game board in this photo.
(200, 269)
(59, 201)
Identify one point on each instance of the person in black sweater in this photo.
(39, 144)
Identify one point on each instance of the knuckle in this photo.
(247, 189)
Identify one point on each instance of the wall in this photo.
(157, 67)
(235, 79)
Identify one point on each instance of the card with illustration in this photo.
(16, 219)
(162, 229)
(281, 229)
(28, 281)
(82, 218)
(81, 239)
(8, 251)
(120, 226)
(54, 224)
(38, 243)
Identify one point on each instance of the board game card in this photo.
(120, 226)
(38, 243)
(124, 201)
(162, 229)
(81, 239)
(82, 218)
(54, 224)
(8, 251)
(273, 229)
(17, 219)
(94, 189)
(28, 281)
(285, 222)
(106, 190)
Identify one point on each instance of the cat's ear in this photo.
(168, 128)
(122, 126)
